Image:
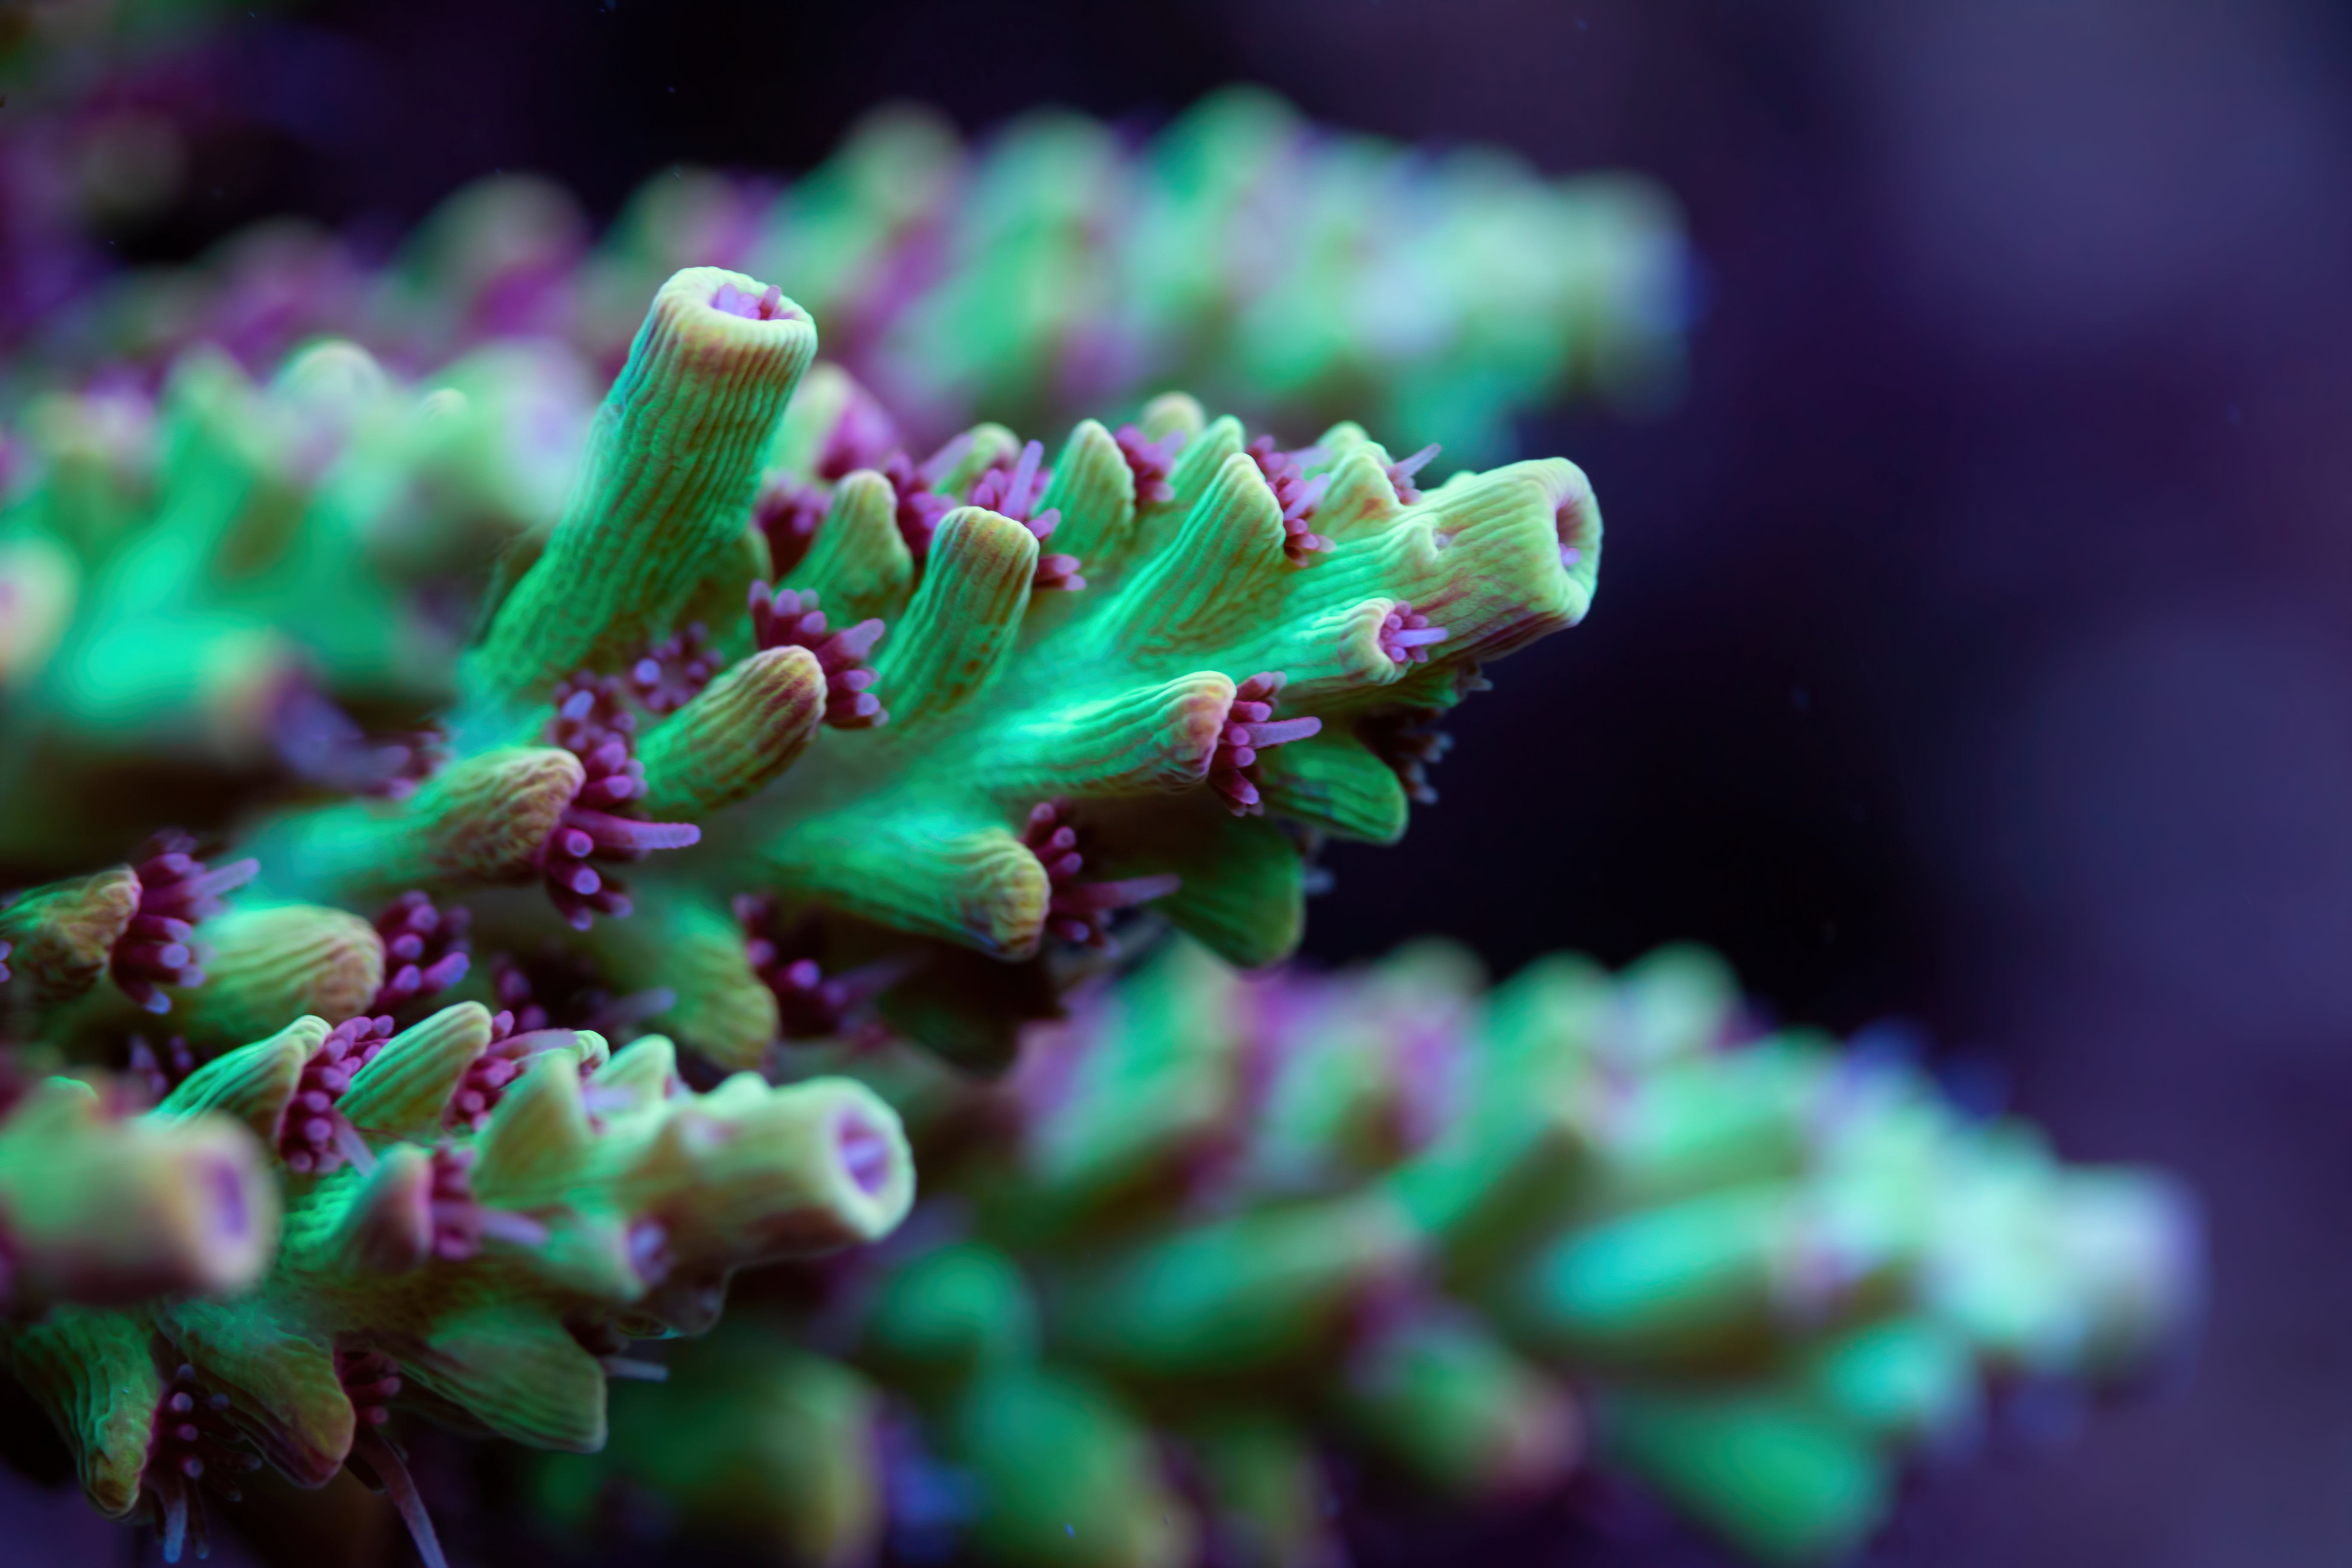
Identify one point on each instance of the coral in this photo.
(651, 716)
(781, 707)
(485, 1269)
(101, 1209)
(1473, 1239)
(415, 701)
(1290, 272)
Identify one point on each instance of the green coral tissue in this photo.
(448, 819)
(1219, 1239)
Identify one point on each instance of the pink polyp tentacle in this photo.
(446, 973)
(400, 1485)
(1074, 908)
(1250, 730)
(1150, 463)
(607, 832)
(1098, 897)
(854, 645)
(940, 464)
(520, 1048)
(515, 1229)
(1025, 472)
(1400, 473)
(220, 879)
(353, 1147)
(790, 619)
(1281, 731)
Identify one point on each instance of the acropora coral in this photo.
(1059, 267)
(1216, 1230)
(487, 863)
(931, 741)
(99, 1208)
(490, 1270)
(875, 758)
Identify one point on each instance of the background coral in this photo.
(1216, 1232)
(1057, 270)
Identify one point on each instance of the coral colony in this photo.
(1061, 268)
(1214, 1229)
(490, 866)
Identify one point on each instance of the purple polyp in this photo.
(593, 724)
(486, 1080)
(789, 513)
(1014, 493)
(921, 505)
(649, 1251)
(865, 1153)
(791, 619)
(1401, 474)
(160, 1072)
(768, 307)
(1299, 496)
(316, 1138)
(1151, 463)
(1406, 636)
(1410, 742)
(175, 891)
(810, 1004)
(423, 948)
(460, 1223)
(1251, 727)
(1564, 522)
(1079, 912)
(675, 670)
(191, 1441)
(324, 746)
(863, 437)
(371, 1382)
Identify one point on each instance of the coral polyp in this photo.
(99, 1207)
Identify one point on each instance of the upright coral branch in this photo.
(673, 462)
